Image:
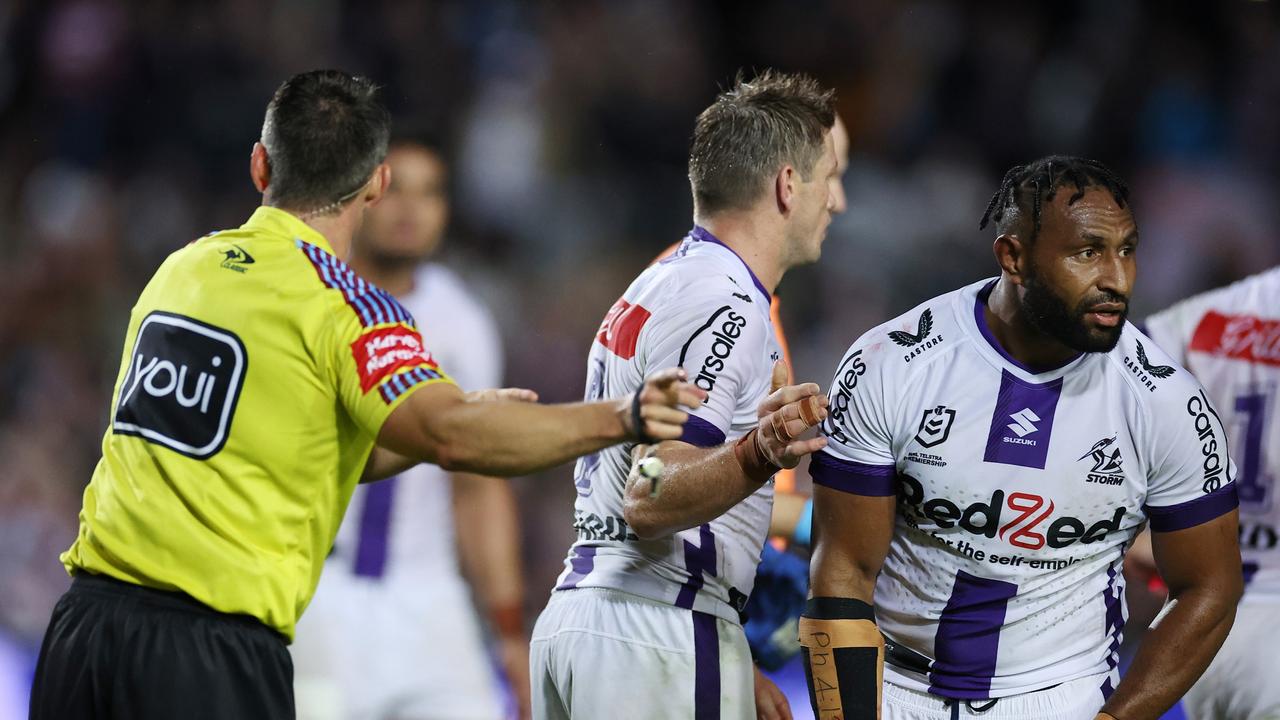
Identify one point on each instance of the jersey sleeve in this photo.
(1191, 478)
(719, 340)
(375, 361)
(859, 457)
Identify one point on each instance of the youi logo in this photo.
(181, 388)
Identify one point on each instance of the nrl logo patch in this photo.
(935, 426)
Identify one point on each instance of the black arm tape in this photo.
(637, 422)
(843, 658)
(838, 608)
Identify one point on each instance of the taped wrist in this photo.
(843, 658)
(755, 465)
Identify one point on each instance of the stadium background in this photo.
(125, 131)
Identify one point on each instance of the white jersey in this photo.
(704, 310)
(1018, 492)
(1230, 339)
(401, 529)
(391, 630)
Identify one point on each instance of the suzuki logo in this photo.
(1024, 422)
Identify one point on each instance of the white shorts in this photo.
(369, 650)
(600, 653)
(1243, 681)
(1079, 699)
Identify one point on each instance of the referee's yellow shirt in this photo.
(257, 371)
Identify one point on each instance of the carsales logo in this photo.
(1018, 519)
(1243, 337)
(381, 352)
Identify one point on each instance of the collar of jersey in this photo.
(701, 234)
(275, 221)
(971, 303)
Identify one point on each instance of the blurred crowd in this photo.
(125, 130)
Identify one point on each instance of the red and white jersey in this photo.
(1018, 491)
(704, 310)
(1230, 339)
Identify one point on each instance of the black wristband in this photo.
(637, 422)
(838, 608)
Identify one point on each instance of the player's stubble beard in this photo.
(1050, 314)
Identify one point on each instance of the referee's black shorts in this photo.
(117, 651)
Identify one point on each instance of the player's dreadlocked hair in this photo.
(1040, 180)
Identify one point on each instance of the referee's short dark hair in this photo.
(325, 132)
(751, 131)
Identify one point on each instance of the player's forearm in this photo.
(1173, 654)
(788, 509)
(510, 438)
(490, 558)
(697, 486)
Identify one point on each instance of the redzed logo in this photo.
(988, 518)
(1028, 506)
(1243, 337)
(380, 353)
(621, 328)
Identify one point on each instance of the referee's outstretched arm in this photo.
(437, 424)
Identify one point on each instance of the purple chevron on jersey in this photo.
(581, 563)
(967, 642)
(375, 528)
(1022, 422)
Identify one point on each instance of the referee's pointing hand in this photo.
(652, 414)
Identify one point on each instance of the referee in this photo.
(258, 374)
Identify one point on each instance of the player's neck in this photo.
(759, 246)
(1017, 336)
(395, 275)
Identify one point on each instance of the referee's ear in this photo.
(381, 180)
(260, 167)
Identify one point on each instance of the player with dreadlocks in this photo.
(999, 447)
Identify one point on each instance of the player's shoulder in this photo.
(1155, 379)
(442, 291)
(1257, 295)
(907, 344)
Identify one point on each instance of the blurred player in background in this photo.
(645, 618)
(991, 455)
(391, 632)
(1230, 339)
(258, 374)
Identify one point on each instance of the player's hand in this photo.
(513, 654)
(771, 704)
(652, 413)
(785, 415)
(504, 394)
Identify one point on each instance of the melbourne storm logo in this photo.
(1106, 468)
(917, 342)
